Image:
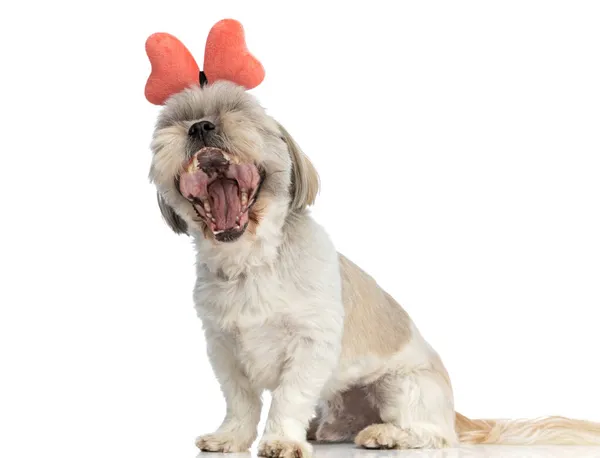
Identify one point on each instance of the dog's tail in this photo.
(546, 431)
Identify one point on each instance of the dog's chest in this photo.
(261, 351)
(256, 315)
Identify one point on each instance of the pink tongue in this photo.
(226, 205)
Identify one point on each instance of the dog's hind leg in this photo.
(417, 411)
(342, 416)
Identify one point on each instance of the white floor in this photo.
(488, 451)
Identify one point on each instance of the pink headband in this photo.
(226, 57)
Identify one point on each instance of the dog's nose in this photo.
(200, 128)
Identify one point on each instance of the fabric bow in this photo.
(226, 57)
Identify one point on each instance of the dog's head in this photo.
(220, 162)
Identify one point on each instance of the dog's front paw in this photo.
(281, 447)
(222, 442)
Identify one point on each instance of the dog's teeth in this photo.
(206, 206)
(217, 232)
(193, 165)
(244, 198)
(237, 220)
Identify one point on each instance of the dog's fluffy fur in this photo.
(283, 311)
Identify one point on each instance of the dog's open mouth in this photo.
(222, 191)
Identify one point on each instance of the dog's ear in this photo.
(305, 180)
(174, 221)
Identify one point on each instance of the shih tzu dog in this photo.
(283, 311)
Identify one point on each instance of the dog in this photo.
(283, 311)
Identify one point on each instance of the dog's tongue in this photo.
(226, 206)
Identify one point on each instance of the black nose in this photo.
(199, 128)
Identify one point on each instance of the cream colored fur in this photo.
(283, 311)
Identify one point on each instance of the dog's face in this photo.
(219, 162)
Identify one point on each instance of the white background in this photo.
(458, 145)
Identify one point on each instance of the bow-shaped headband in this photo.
(226, 57)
